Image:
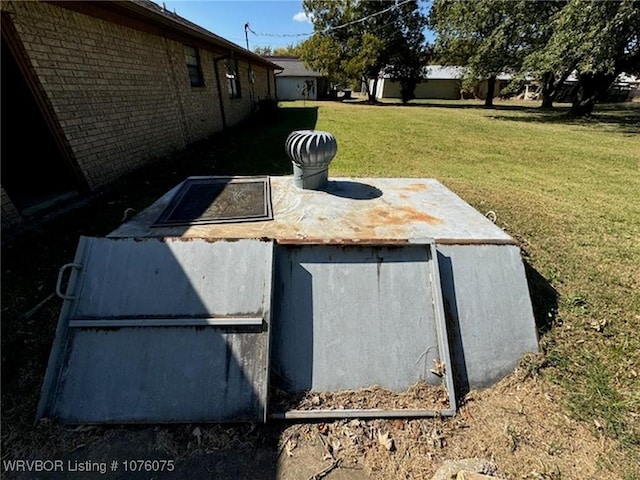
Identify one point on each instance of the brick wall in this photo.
(261, 84)
(122, 96)
(10, 215)
(236, 109)
(110, 87)
(200, 105)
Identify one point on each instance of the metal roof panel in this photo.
(350, 211)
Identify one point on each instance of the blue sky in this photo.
(276, 23)
(268, 18)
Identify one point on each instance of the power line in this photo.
(367, 17)
(329, 29)
(260, 34)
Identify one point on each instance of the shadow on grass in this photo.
(257, 147)
(254, 147)
(619, 117)
(462, 104)
(454, 104)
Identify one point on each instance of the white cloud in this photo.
(302, 17)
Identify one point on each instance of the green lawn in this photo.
(568, 190)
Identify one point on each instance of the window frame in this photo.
(194, 66)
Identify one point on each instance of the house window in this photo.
(193, 66)
(233, 79)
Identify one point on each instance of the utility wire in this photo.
(329, 29)
(367, 17)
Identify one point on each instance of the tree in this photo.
(535, 28)
(485, 37)
(549, 40)
(265, 51)
(596, 40)
(357, 39)
(408, 55)
(290, 50)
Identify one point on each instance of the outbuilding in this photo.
(296, 81)
(439, 82)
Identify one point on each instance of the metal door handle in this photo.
(59, 292)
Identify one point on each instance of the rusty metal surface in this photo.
(350, 211)
(163, 330)
(219, 200)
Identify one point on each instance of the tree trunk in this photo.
(491, 90)
(551, 86)
(547, 101)
(407, 89)
(371, 92)
(589, 87)
(548, 90)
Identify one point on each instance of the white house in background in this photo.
(440, 82)
(625, 88)
(445, 83)
(297, 82)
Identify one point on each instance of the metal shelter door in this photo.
(162, 330)
(352, 316)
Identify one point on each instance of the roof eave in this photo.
(148, 15)
(208, 37)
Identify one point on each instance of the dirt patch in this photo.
(518, 425)
(421, 395)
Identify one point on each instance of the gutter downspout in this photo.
(275, 84)
(217, 72)
(252, 93)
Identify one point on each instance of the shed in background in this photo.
(296, 81)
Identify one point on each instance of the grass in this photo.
(566, 189)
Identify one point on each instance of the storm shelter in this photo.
(195, 309)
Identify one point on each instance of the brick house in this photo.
(94, 90)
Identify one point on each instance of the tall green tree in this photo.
(358, 39)
(547, 40)
(535, 28)
(484, 37)
(597, 40)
